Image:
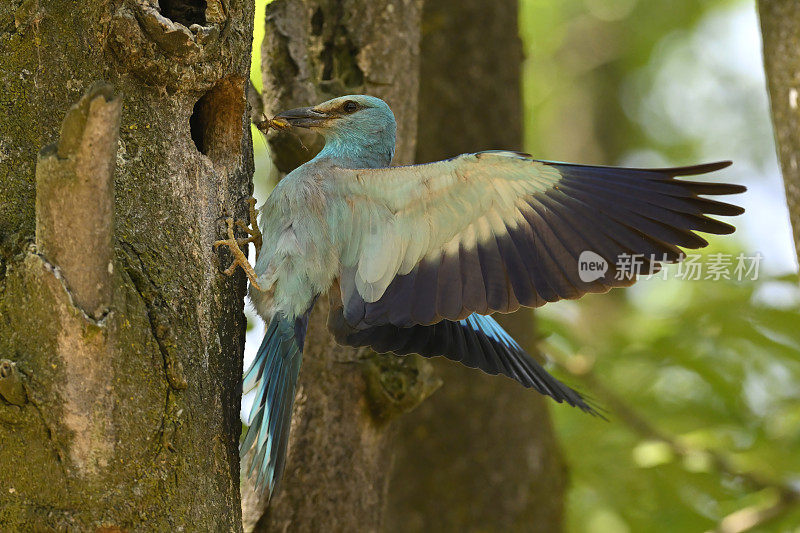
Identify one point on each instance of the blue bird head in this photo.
(358, 129)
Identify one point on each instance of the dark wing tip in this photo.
(690, 170)
(582, 401)
(704, 187)
(693, 170)
(712, 188)
(700, 187)
(594, 408)
(720, 228)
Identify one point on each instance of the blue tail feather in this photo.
(273, 375)
(269, 410)
(253, 374)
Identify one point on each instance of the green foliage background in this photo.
(699, 377)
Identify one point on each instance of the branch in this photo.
(757, 515)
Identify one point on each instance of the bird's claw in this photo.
(252, 230)
(239, 259)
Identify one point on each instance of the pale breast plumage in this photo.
(298, 259)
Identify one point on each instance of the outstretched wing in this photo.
(477, 342)
(492, 231)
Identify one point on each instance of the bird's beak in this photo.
(302, 117)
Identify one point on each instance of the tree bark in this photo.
(780, 31)
(480, 454)
(120, 340)
(340, 447)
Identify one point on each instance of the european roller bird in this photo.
(415, 259)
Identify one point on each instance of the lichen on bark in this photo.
(169, 346)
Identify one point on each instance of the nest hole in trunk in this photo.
(216, 122)
(185, 12)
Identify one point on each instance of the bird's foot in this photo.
(239, 258)
(252, 230)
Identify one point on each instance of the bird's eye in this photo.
(349, 106)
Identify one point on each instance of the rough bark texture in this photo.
(339, 453)
(315, 50)
(480, 454)
(120, 341)
(780, 31)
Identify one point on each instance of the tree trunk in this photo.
(339, 452)
(120, 339)
(780, 31)
(480, 454)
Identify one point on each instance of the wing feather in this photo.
(492, 231)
